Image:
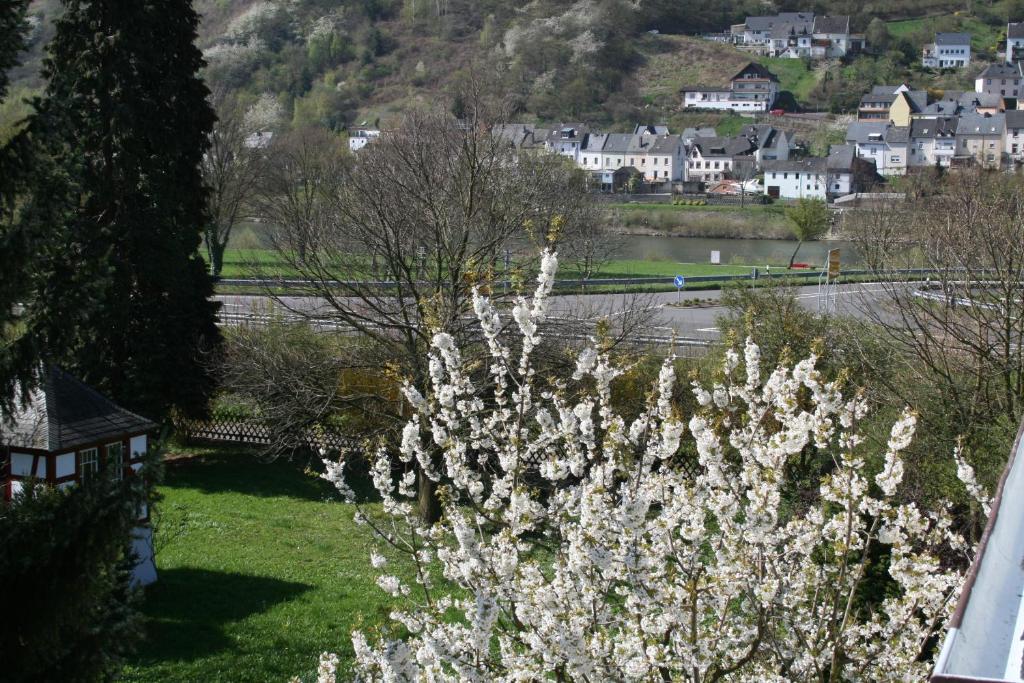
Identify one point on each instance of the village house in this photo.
(67, 432)
(712, 159)
(757, 30)
(895, 104)
(658, 158)
(567, 139)
(948, 51)
(523, 136)
(361, 137)
(980, 139)
(839, 174)
(882, 143)
(1015, 42)
(932, 142)
(955, 103)
(1013, 146)
(798, 35)
(791, 40)
(753, 89)
(832, 38)
(1000, 79)
(769, 143)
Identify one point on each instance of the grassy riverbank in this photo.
(755, 221)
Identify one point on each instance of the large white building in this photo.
(840, 173)
(753, 89)
(798, 34)
(949, 51)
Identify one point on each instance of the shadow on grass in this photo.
(233, 469)
(188, 609)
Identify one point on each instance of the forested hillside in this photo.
(341, 62)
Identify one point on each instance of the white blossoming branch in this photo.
(582, 548)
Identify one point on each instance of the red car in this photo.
(777, 112)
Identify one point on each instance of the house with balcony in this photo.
(895, 104)
(753, 89)
(948, 51)
(882, 143)
(756, 31)
(932, 142)
(791, 40)
(832, 38)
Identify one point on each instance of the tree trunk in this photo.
(216, 258)
(793, 257)
(429, 507)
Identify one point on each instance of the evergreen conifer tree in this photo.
(118, 292)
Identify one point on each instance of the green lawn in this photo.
(260, 569)
(793, 74)
(983, 36)
(237, 262)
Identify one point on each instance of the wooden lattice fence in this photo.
(220, 428)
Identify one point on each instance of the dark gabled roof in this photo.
(719, 146)
(756, 69)
(979, 124)
(1015, 30)
(941, 127)
(840, 157)
(866, 131)
(785, 31)
(877, 97)
(63, 413)
(952, 38)
(1015, 118)
(666, 144)
(766, 23)
(837, 24)
(1001, 71)
(897, 135)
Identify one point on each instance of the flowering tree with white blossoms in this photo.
(577, 545)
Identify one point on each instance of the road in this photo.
(697, 321)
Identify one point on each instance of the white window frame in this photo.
(116, 466)
(89, 462)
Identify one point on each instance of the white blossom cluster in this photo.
(251, 21)
(265, 114)
(659, 548)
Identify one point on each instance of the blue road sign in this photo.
(680, 281)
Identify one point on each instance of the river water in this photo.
(739, 252)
